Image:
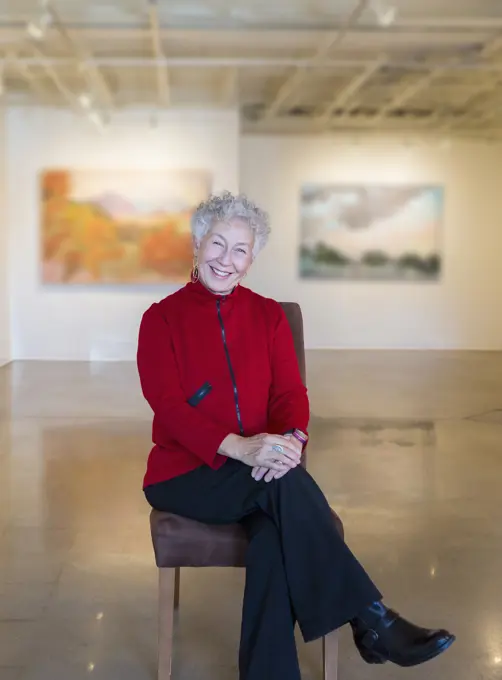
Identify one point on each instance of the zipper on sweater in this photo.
(232, 374)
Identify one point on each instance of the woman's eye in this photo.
(217, 243)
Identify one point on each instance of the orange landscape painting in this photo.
(118, 227)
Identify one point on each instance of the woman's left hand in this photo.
(258, 473)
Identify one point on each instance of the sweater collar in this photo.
(201, 293)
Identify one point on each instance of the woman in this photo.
(218, 367)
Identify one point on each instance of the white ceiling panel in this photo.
(289, 64)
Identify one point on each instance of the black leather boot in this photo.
(382, 635)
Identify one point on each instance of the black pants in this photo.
(298, 568)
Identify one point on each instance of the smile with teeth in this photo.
(219, 273)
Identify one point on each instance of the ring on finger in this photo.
(278, 448)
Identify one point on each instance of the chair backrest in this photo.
(294, 315)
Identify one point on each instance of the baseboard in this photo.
(349, 348)
(69, 360)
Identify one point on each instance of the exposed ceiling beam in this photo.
(344, 96)
(492, 112)
(297, 78)
(272, 62)
(412, 89)
(163, 85)
(229, 87)
(43, 61)
(473, 94)
(67, 94)
(88, 33)
(25, 72)
(405, 125)
(454, 23)
(470, 23)
(493, 46)
(83, 59)
(408, 92)
(286, 125)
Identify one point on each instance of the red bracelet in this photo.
(300, 436)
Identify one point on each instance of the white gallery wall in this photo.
(94, 322)
(460, 311)
(4, 290)
(83, 322)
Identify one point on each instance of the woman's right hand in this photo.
(260, 473)
(258, 451)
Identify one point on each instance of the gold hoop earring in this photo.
(195, 271)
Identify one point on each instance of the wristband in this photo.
(300, 436)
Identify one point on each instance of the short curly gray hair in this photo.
(227, 207)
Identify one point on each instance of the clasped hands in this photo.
(258, 452)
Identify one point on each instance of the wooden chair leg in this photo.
(330, 656)
(177, 580)
(166, 621)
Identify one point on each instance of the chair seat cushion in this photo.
(181, 542)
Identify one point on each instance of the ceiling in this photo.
(311, 66)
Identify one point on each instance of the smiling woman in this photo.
(218, 366)
(228, 232)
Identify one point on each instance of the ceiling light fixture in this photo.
(386, 14)
(34, 30)
(38, 28)
(85, 100)
(94, 117)
(97, 120)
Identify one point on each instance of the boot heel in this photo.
(365, 646)
(372, 657)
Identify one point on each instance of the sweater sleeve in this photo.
(288, 406)
(160, 383)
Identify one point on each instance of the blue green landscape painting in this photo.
(371, 233)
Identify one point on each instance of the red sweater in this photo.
(240, 344)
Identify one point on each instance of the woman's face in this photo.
(224, 255)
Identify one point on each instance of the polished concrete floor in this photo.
(407, 446)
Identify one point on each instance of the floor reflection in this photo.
(419, 496)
